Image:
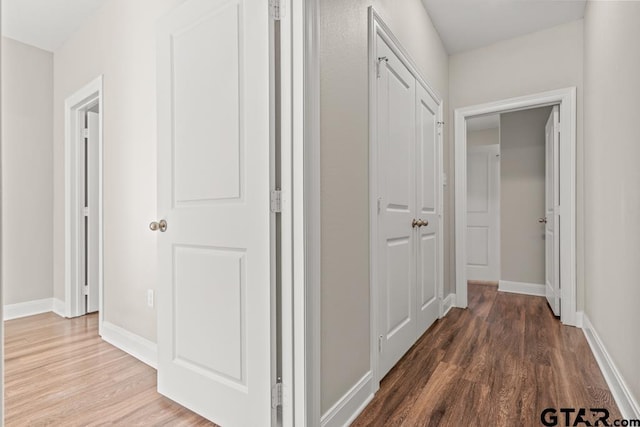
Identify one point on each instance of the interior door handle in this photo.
(159, 225)
(542, 220)
(418, 223)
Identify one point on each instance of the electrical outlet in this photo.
(150, 297)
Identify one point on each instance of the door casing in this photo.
(566, 99)
(74, 107)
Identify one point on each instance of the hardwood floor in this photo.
(501, 362)
(59, 372)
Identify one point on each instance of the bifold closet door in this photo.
(397, 186)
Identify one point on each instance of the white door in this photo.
(397, 186)
(409, 208)
(428, 209)
(551, 220)
(92, 225)
(214, 283)
(483, 213)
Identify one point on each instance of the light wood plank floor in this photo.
(58, 372)
(498, 363)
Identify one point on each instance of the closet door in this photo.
(427, 210)
(397, 188)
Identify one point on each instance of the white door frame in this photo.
(566, 99)
(377, 27)
(74, 107)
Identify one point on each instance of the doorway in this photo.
(83, 206)
(564, 211)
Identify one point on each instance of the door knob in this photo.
(418, 223)
(542, 220)
(159, 225)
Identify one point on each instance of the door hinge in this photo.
(558, 128)
(276, 395)
(85, 211)
(85, 133)
(380, 59)
(276, 201)
(380, 344)
(379, 204)
(276, 9)
(85, 290)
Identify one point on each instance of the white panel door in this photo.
(397, 186)
(93, 206)
(427, 209)
(214, 284)
(483, 213)
(551, 220)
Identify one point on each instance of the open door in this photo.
(92, 225)
(215, 298)
(551, 220)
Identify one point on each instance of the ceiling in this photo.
(469, 24)
(46, 24)
(483, 122)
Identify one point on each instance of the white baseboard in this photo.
(138, 347)
(521, 288)
(31, 308)
(625, 400)
(345, 411)
(448, 303)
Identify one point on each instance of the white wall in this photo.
(118, 42)
(477, 138)
(345, 181)
(537, 62)
(27, 167)
(612, 181)
(522, 195)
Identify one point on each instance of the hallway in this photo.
(501, 362)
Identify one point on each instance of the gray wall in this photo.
(612, 181)
(344, 173)
(27, 167)
(537, 62)
(522, 195)
(119, 41)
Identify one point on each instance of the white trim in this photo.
(566, 98)
(308, 387)
(73, 104)
(579, 319)
(132, 344)
(628, 405)
(58, 307)
(349, 406)
(377, 27)
(28, 308)
(448, 303)
(536, 289)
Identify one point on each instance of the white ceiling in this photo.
(483, 122)
(46, 24)
(469, 24)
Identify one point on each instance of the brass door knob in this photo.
(542, 220)
(418, 223)
(159, 225)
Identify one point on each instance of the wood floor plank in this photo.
(59, 372)
(500, 362)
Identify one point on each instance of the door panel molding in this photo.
(566, 100)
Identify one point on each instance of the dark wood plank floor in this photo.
(59, 372)
(498, 363)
